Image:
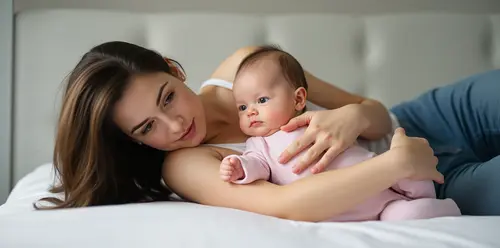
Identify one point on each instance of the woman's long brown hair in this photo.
(95, 162)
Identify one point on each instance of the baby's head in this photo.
(269, 88)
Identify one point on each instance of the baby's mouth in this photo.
(255, 123)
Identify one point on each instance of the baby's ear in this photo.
(300, 98)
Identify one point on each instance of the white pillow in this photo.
(32, 187)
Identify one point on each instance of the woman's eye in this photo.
(147, 128)
(169, 98)
(263, 99)
(242, 107)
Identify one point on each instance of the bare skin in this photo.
(193, 172)
(159, 110)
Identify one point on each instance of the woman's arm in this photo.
(372, 112)
(193, 174)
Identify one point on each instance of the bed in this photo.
(390, 55)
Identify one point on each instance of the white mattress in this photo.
(181, 224)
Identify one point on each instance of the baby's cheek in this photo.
(279, 118)
(244, 127)
(243, 123)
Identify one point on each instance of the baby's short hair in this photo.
(290, 67)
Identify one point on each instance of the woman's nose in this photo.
(175, 124)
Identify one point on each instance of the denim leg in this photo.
(462, 123)
(475, 187)
(474, 111)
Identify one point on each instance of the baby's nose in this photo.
(252, 111)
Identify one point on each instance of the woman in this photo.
(124, 106)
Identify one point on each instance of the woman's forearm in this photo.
(373, 114)
(376, 117)
(324, 195)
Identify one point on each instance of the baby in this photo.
(269, 89)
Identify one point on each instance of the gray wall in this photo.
(6, 10)
(341, 6)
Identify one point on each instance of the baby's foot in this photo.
(423, 208)
(231, 169)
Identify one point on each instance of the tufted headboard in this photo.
(391, 57)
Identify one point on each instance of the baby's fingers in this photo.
(226, 172)
(233, 162)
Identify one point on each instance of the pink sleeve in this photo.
(255, 165)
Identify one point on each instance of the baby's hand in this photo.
(231, 170)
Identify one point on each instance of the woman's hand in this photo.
(414, 157)
(330, 132)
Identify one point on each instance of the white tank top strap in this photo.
(217, 82)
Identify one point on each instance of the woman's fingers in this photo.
(398, 137)
(313, 154)
(400, 131)
(422, 140)
(438, 177)
(296, 122)
(296, 147)
(327, 158)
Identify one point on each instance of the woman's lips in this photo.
(190, 133)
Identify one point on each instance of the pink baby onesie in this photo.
(404, 200)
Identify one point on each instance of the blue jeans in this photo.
(462, 123)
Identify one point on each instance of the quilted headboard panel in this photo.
(388, 57)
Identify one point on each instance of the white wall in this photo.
(255, 6)
(6, 10)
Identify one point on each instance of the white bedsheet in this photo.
(180, 224)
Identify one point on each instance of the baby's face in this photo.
(265, 100)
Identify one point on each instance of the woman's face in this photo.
(159, 110)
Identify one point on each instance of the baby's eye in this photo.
(263, 99)
(242, 108)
